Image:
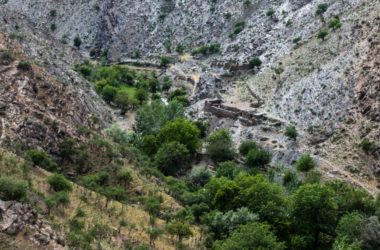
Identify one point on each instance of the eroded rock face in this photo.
(40, 106)
(16, 218)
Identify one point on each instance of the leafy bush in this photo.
(199, 176)
(335, 23)
(251, 236)
(246, 146)
(207, 49)
(321, 9)
(165, 61)
(227, 169)
(172, 158)
(180, 229)
(12, 189)
(59, 183)
(24, 65)
(258, 157)
(109, 93)
(322, 34)
(220, 146)
(255, 62)
(305, 163)
(182, 131)
(77, 42)
(6, 57)
(40, 158)
(366, 145)
(291, 132)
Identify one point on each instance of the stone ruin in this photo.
(246, 117)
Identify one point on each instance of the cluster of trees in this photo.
(122, 86)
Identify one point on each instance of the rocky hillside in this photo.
(257, 68)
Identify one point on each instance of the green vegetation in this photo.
(238, 28)
(335, 23)
(322, 34)
(24, 66)
(42, 159)
(208, 49)
(291, 132)
(121, 86)
(305, 163)
(12, 189)
(220, 146)
(366, 145)
(59, 183)
(77, 41)
(258, 157)
(255, 62)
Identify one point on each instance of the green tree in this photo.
(322, 34)
(182, 131)
(180, 229)
(305, 163)
(258, 157)
(122, 99)
(265, 198)
(172, 158)
(109, 93)
(141, 95)
(220, 146)
(151, 117)
(314, 212)
(227, 169)
(252, 236)
(221, 193)
(59, 183)
(350, 226)
(42, 159)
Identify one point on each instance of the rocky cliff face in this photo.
(44, 101)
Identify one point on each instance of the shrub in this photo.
(122, 99)
(322, 34)
(165, 61)
(182, 131)
(251, 236)
(335, 23)
(6, 57)
(258, 157)
(366, 145)
(77, 42)
(255, 62)
(125, 177)
(246, 146)
(12, 189)
(180, 48)
(270, 12)
(180, 229)
(141, 95)
(207, 49)
(220, 146)
(59, 183)
(24, 65)
(172, 158)
(227, 169)
(321, 9)
(109, 93)
(58, 199)
(305, 163)
(291, 132)
(40, 158)
(199, 176)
